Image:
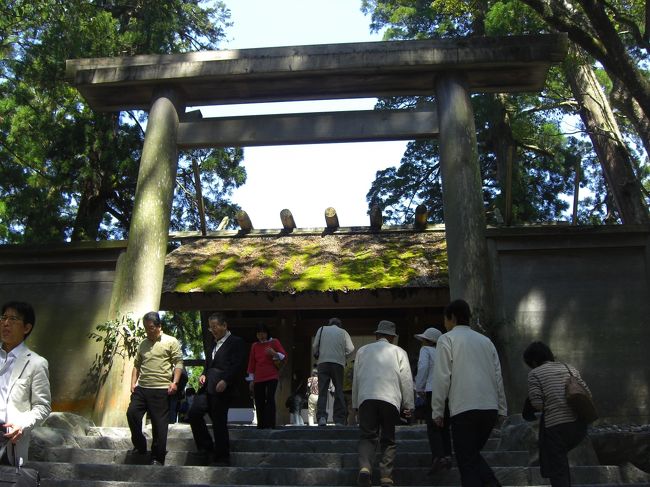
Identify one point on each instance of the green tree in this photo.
(523, 129)
(522, 135)
(67, 172)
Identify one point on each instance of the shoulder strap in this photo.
(319, 337)
(568, 369)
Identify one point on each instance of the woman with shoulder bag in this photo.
(263, 373)
(560, 430)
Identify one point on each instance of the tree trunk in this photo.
(92, 207)
(504, 151)
(620, 98)
(605, 135)
(593, 30)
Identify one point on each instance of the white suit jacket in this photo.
(29, 399)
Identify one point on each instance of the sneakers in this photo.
(322, 422)
(364, 479)
(155, 462)
(386, 482)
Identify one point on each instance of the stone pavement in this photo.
(71, 452)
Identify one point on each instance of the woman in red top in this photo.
(263, 374)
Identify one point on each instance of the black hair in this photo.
(152, 316)
(537, 353)
(335, 321)
(218, 316)
(261, 327)
(460, 309)
(25, 310)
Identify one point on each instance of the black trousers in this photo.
(264, 393)
(330, 371)
(555, 443)
(439, 438)
(216, 405)
(377, 420)
(470, 431)
(154, 402)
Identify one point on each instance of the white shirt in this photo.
(468, 371)
(424, 377)
(218, 344)
(7, 361)
(382, 372)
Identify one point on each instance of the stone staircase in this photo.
(288, 456)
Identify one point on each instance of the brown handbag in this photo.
(579, 399)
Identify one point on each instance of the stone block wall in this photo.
(586, 293)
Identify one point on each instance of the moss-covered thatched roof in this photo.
(296, 263)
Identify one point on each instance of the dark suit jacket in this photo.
(228, 364)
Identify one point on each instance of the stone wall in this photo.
(586, 293)
(583, 290)
(69, 286)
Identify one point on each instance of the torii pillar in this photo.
(462, 193)
(139, 276)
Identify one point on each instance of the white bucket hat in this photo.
(430, 334)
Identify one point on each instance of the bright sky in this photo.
(306, 179)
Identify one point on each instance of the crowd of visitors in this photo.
(458, 385)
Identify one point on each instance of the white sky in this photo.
(305, 178)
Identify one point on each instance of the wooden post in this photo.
(139, 275)
(463, 198)
(376, 218)
(421, 215)
(199, 197)
(331, 219)
(244, 221)
(288, 223)
(576, 193)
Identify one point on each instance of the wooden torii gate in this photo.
(165, 85)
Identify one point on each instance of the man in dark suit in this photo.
(224, 367)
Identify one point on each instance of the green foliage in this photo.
(545, 155)
(119, 338)
(67, 172)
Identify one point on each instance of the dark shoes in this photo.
(440, 463)
(364, 479)
(136, 451)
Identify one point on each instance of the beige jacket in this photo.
(29, 400)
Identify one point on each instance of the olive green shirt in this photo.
(157, 360)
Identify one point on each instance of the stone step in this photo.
(181, 430)
(100, 483)
(197, 475)
(316, 445)
(264, 459)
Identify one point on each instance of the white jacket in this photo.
(468, 371)
(424, 377)
(382, 371)
(29, 400)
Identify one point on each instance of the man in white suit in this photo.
(25, 399)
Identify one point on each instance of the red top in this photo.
(261, 364)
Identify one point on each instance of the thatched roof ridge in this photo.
(296, 263)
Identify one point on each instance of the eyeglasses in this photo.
(10, 319)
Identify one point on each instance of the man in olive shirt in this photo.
(156, 373)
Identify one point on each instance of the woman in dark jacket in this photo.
(559, 430)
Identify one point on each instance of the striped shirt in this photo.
(546, 390)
